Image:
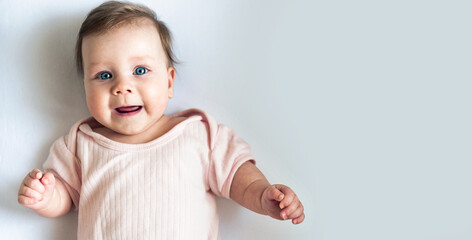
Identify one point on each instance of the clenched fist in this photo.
(281, 202)
(36, 190)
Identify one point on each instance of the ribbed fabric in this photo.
(164, 189)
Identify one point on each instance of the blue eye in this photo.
(140, 71)
(105, 75)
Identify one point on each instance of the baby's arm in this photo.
(44, 194)
(251, 189)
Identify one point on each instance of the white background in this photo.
(362, 107)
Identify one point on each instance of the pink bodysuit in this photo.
(163, 189)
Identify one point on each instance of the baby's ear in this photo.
(171, 78)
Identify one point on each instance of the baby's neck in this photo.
(165, 124)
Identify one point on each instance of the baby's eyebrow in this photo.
(149, 57)
(95, 64)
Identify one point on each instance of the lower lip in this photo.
(128, 114)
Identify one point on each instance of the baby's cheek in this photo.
(97, 104)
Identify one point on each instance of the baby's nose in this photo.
(122, 87)
(119, 91)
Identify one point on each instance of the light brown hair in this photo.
(111, 14)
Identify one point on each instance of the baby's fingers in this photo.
(49, 181)
(33, 183)
(29, 193)
(275, 194)
(299, 219)
(36, 174)
(292, 211)
(288, 198)
(26, 201)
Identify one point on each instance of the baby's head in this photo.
(125, 56)
(113, 14)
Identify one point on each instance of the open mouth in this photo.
(128, 110)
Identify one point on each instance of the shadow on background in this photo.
(237, 222)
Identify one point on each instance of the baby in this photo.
(131, 171)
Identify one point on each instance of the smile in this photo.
(128, 110)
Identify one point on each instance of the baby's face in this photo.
(126, 78)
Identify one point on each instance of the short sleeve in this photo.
(65, 166)
(228, 153)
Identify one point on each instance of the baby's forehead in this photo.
(131, 43)
(135, 23)
(100, 27)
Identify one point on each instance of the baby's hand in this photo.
(36, 190)
(280, 202)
